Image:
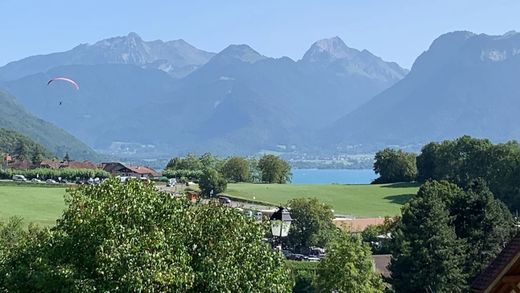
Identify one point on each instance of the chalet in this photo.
(503, 273)
(118, 169)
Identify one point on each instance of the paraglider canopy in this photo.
(72, 82)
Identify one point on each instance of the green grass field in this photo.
(37, 204)
(43, 204)
(357, 200)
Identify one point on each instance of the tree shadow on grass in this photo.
(399, 198)
(401, 185)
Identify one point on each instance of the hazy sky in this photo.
(397, 30)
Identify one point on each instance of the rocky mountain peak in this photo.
(241, 52)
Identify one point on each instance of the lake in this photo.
(328, 176)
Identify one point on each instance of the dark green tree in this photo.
(236, 169)
(66, 158)
(426, 162)
(22, 151)
(212, 182)
(347, 267)
(119, 237)
(428, 256)
(274, 169)
(483, 223)
(394, 166)
(312, 224)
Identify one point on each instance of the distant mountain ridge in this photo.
(463, 84)
(177, 58)
(235, 101)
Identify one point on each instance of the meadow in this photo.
(39, 204)
(43, 204)
(360, 200)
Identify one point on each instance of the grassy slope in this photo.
(40, 205)
(357, 200)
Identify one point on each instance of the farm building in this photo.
(119, 169)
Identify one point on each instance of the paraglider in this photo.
(66, 79)
(72, 82)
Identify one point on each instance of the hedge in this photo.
(64, 173)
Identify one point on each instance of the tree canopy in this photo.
(465, 159)
(347, 267)
(394, 166)
(237, 169)
(274, 170)
(130, 237)
(211, 182)
(312, 224)
(446, 236)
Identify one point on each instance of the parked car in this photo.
(36, 180)
(295, 256)
(224, 200)
(19, 178)
(259, 216)
(312, 258)
(248, 213)
(50, 181)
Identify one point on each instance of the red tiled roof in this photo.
(53, 164)
(498, 267)
(50, 164)
(79, 165)
(143, 170)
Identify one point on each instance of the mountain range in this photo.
(234, 101)
(465, 83)
(170, 97)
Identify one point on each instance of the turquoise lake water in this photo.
(340, 176)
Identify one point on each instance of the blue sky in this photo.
(397, 30)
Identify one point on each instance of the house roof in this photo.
(143, 170)
(505, 263)
(79, 165)
(381, 262)
(53, 164)
(357, 225)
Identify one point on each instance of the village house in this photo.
(119, 169)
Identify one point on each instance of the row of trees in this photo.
(459, 161)
(130, 237)
(267, 169)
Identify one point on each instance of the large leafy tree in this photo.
(274, 169)
(394, 166)
(212, 182)
(428, 256)
(347, 267)
(312, 224)
(128, 237)
(236, 169)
